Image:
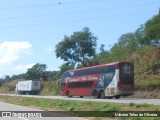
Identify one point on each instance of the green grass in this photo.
(144, 105)
(94, 108)
(62, 104)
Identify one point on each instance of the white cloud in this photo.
(11, 51)
(49, 49)
(23, 68)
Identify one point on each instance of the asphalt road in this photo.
(121, 100)
(24, 113)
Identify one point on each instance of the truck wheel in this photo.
(117, 97)
(27, 93)
(109, 97)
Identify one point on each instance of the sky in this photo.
(30, 29)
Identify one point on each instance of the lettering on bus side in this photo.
(84, 78)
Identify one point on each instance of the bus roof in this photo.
(96, 66)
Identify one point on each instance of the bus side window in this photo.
(80, 84)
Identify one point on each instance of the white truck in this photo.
(28, 87)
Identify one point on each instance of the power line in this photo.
(78, 20)
(75, 12)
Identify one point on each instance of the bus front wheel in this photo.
(68, 94)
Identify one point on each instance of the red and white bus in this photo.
(101, 81)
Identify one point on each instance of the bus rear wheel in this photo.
(95, 94)
(101, 94)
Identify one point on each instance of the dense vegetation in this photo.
(141, 47)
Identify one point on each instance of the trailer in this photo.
(28, 87)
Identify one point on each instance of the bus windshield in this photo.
(63, 85)
(126, 73)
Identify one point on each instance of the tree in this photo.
(152, 30)
(149, 33)
(102, 58)
(65, 67)
(20, 76)
(140, 35)
(102, 48)
(1, 81)
(126, 45)
(7, 78)
(129, 42)
(37, 72)
(79, 48)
